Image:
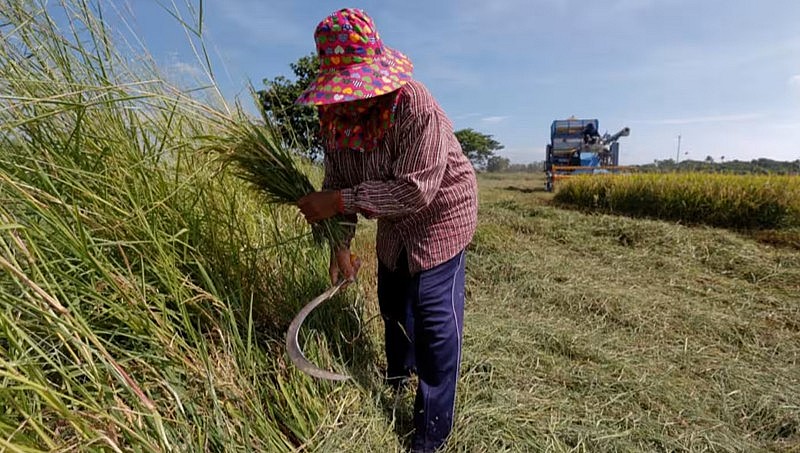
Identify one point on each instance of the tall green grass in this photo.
(144, 292)
(736, 201)
(142, 288)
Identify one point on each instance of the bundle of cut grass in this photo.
(263, 161)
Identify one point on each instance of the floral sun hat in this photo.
(354, 63)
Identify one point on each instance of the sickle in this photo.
(293, 344)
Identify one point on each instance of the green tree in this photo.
(478, 147)
(298, 124)
(497, 164)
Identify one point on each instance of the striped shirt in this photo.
(418, 184)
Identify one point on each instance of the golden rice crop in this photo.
(738, 201)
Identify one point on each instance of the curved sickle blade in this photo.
(293, 345)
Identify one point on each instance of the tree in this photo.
(297, 124)
(497, 164)
(478, 147)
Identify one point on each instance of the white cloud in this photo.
(794, 81)
(705, 119)
(689, 61)
(628, 5)
(521, 154)
(183, 72)
(632, 6)
(494, 119)
(795, 126)
(260, 24)
(444, 71)
(186, 69)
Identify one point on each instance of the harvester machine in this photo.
(576, 147)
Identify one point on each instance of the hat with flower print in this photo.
(353, 62)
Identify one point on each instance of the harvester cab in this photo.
(576, 147)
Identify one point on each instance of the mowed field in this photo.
(594, 333)
(145, 293)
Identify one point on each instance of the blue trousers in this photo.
(423, 319)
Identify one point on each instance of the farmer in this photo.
(390, 154)
(590, 134)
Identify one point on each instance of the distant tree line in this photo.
(709, 165)
(498, 164)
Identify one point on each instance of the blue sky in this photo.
(722, 74)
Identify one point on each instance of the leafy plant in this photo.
(477, 146)
(298, 125)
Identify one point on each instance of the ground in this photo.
(588, 332)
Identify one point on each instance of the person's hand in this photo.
(318, 206)
(343, 265)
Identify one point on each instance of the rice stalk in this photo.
(735, 201)
(261, 159)
(142, 288)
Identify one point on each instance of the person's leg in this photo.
(439, 320)
(395, 305)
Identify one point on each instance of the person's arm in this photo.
(417, 172)
(332, 181)
(343, 264)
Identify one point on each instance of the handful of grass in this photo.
(263, 161)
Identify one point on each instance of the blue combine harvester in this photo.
(576, 147)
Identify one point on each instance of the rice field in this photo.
(737, 201)
(145, 290)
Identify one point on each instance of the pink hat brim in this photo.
(359, 81)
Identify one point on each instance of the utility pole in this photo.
(678, 155)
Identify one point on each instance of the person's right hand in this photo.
(343, 265)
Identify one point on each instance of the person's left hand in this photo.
(318, 206)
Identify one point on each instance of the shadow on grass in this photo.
(341, 329)
(341, 322)
(779, 238)
(398, 408)
(525, 189)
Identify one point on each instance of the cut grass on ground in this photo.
(602, 333)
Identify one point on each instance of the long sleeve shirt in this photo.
(418, 184)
